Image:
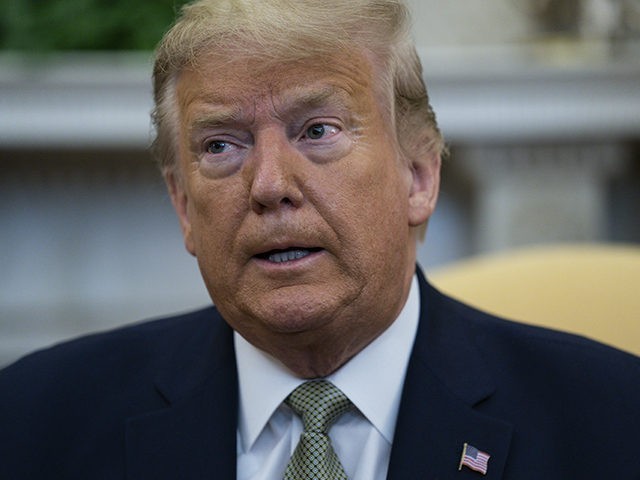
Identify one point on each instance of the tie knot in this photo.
(319, 403)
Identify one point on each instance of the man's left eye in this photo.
(217, 146)
(319, 130)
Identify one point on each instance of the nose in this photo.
(274, 174)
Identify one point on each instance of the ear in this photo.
(425, 187)
(180, 202)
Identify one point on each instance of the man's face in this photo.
(295, 200)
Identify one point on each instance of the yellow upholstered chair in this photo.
(592, 290)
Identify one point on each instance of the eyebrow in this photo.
(217, 115)
(297, 99)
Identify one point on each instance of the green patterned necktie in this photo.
(319, 404)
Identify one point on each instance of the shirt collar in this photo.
(372, 380)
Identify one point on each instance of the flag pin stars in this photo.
(474, 459)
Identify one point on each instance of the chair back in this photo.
(592, 290)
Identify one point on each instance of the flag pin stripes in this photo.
(474, 459)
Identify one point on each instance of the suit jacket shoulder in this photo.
(544, 404)
(71, 411)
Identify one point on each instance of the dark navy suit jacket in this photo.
(159, 401)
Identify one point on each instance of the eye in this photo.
(320, 130)
(218, 146)
(315, 132)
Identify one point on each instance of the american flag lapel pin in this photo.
(474, 459)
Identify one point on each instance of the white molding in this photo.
(522, 94)
(480, 94)
(98, 100)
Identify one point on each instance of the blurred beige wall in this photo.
(459, 22)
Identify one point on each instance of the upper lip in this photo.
(262, 238)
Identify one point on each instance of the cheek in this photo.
(214, 210)
(372, 198)
(382, 182)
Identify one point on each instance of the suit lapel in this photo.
(445, 379)
(195, 436)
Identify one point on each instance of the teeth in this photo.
(287, 256)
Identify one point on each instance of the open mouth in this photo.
(289, 255)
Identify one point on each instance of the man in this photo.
(303, 159)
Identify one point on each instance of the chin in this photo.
(296, 312)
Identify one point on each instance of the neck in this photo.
(319, 354)
(316, 361)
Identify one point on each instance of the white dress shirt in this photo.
(268, 430)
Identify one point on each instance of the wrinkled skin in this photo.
(300, 158)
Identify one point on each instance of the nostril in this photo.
(261, 202)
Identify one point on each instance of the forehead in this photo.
(349, 79)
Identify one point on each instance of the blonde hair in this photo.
(290, 30)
